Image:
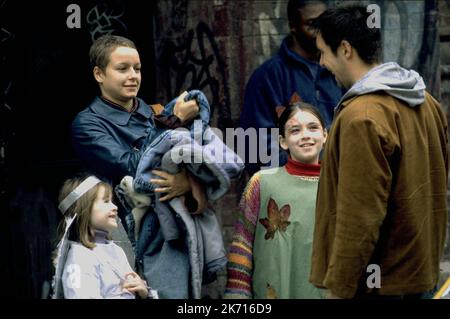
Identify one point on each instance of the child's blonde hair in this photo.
(82, 208)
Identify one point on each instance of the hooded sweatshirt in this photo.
(406, 85)
(381, 211)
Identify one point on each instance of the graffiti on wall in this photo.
(105, 18)
(6, 108)
(179, 15)
(410, 37)
(196, 63)
(409, 30)
(270, 30)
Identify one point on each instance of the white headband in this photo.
(79, 191)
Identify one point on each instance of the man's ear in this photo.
(283, 144)
(292, 27)
(98, 74)
(347, 49)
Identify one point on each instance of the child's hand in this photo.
(185, 111)
(173, 185)
(136, 285)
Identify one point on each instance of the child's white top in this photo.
(96, 274)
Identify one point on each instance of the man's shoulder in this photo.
(372, 96)
(360, 103)
(386, 101)
(430, 99)
(363, 107)
(378, 107)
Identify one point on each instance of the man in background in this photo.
(292, 75)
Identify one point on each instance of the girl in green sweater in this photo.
(270, 255)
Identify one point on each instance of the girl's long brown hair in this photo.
(82, 208)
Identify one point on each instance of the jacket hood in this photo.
(405, 85)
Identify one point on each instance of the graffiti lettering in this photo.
(205, 72)
(179, 14)
(269, 32)
(105, 20)
(6, 110)
(411, 38)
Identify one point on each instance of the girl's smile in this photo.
(304, 137)
(104, 212)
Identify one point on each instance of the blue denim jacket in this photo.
(214, 164)
(110, 140)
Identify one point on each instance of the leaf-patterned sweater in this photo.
(270, 254)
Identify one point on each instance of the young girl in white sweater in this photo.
(89, 264)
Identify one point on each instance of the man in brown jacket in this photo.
(381, 213)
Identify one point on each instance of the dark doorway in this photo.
(45, 80)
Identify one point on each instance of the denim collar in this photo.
(115, 113)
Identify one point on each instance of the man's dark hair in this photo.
(295, 5)
(350, 24)
(101, 49)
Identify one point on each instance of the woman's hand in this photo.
(185, 111)
(134, 284)
(173, 185)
